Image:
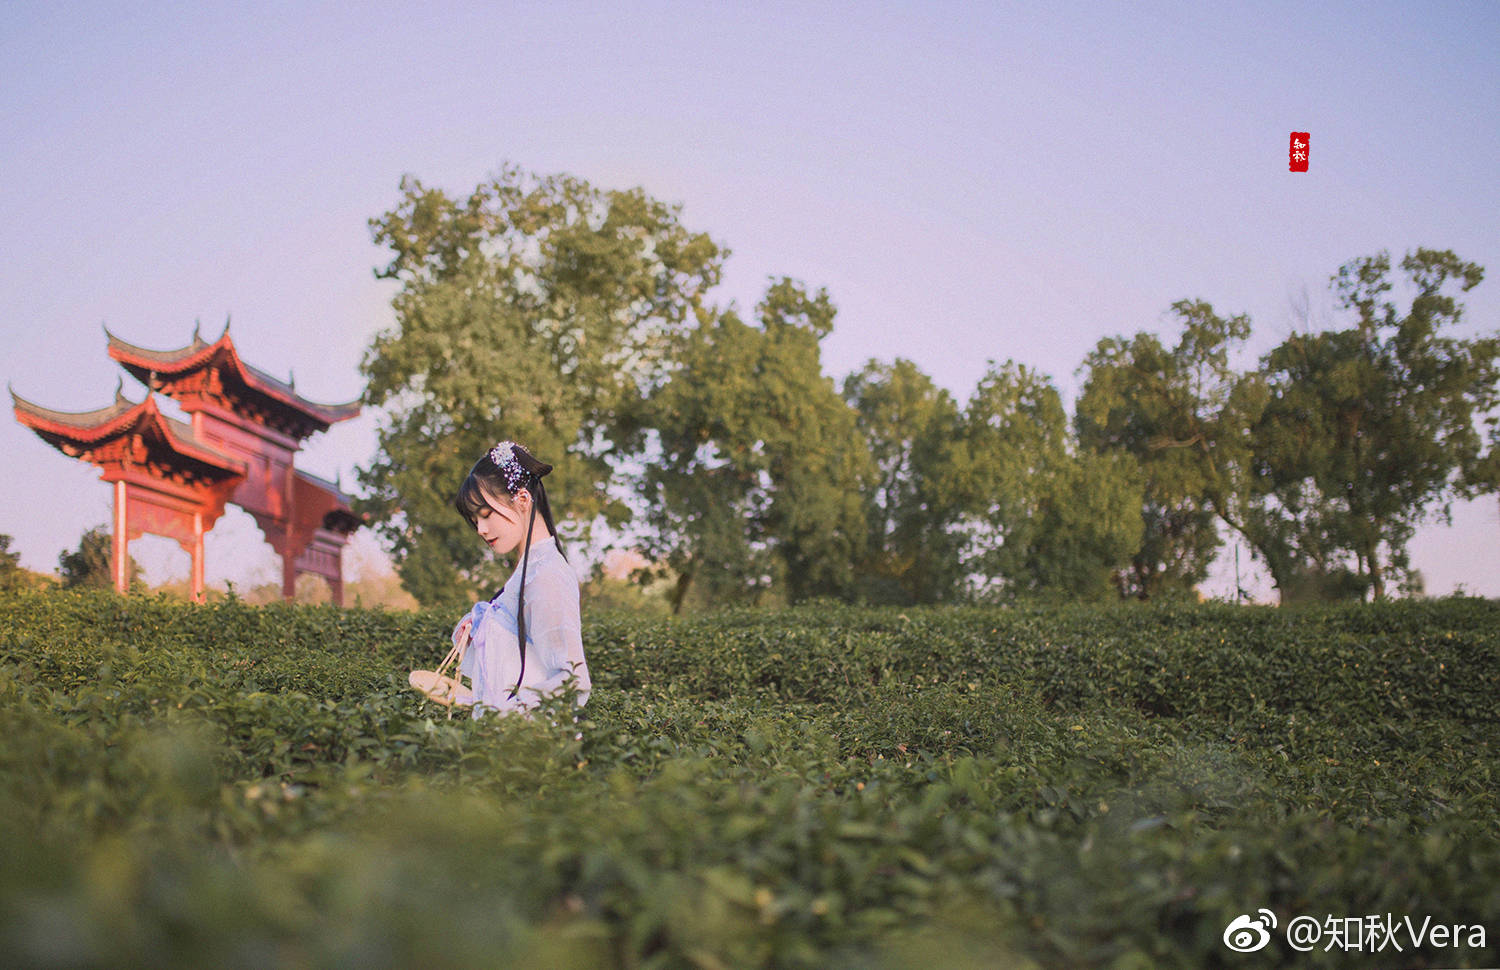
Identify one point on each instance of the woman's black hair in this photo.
(505, 470)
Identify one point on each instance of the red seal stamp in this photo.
(1296, 156)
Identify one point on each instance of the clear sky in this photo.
(970, 181)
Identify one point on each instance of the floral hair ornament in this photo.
(504, 457)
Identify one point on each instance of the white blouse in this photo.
(554, 637)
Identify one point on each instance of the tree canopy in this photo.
(537, 309)
(1041, 515)
(1183, 414)
(91, 564)
(913, 544)
(584, 323)
(10, 565)
(760, 473)
(1371, 429)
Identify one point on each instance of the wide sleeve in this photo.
(554, 628)
(475, 618)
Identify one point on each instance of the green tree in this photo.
(11, 576)
(759, 472)
(1183, 414)
(90, 563)
(821, 468)
(1042, 517)
(908, 424)
(539, 309)
(1370, 430)
(706, 498)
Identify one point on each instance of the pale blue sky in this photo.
(969, 181)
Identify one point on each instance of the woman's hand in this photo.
(461, 632)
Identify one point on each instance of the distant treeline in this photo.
(582, 322)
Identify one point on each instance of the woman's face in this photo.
(502, 526)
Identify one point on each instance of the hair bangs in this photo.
(470, 500)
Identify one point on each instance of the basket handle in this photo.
(455, 656)
(455, 660)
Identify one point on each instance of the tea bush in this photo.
(229, 785)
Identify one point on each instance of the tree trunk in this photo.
(680, 591)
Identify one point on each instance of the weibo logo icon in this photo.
(1246, 934)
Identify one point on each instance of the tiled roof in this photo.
(100, 424)
(222, 353)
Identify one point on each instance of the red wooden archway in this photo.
(173, 478)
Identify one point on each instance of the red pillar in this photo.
(197, 581)
(118, 551)
(289, 558)
(288, 571)
(336, 586)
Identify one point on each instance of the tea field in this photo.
(237, 786)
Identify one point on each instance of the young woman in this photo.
(527, 641)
